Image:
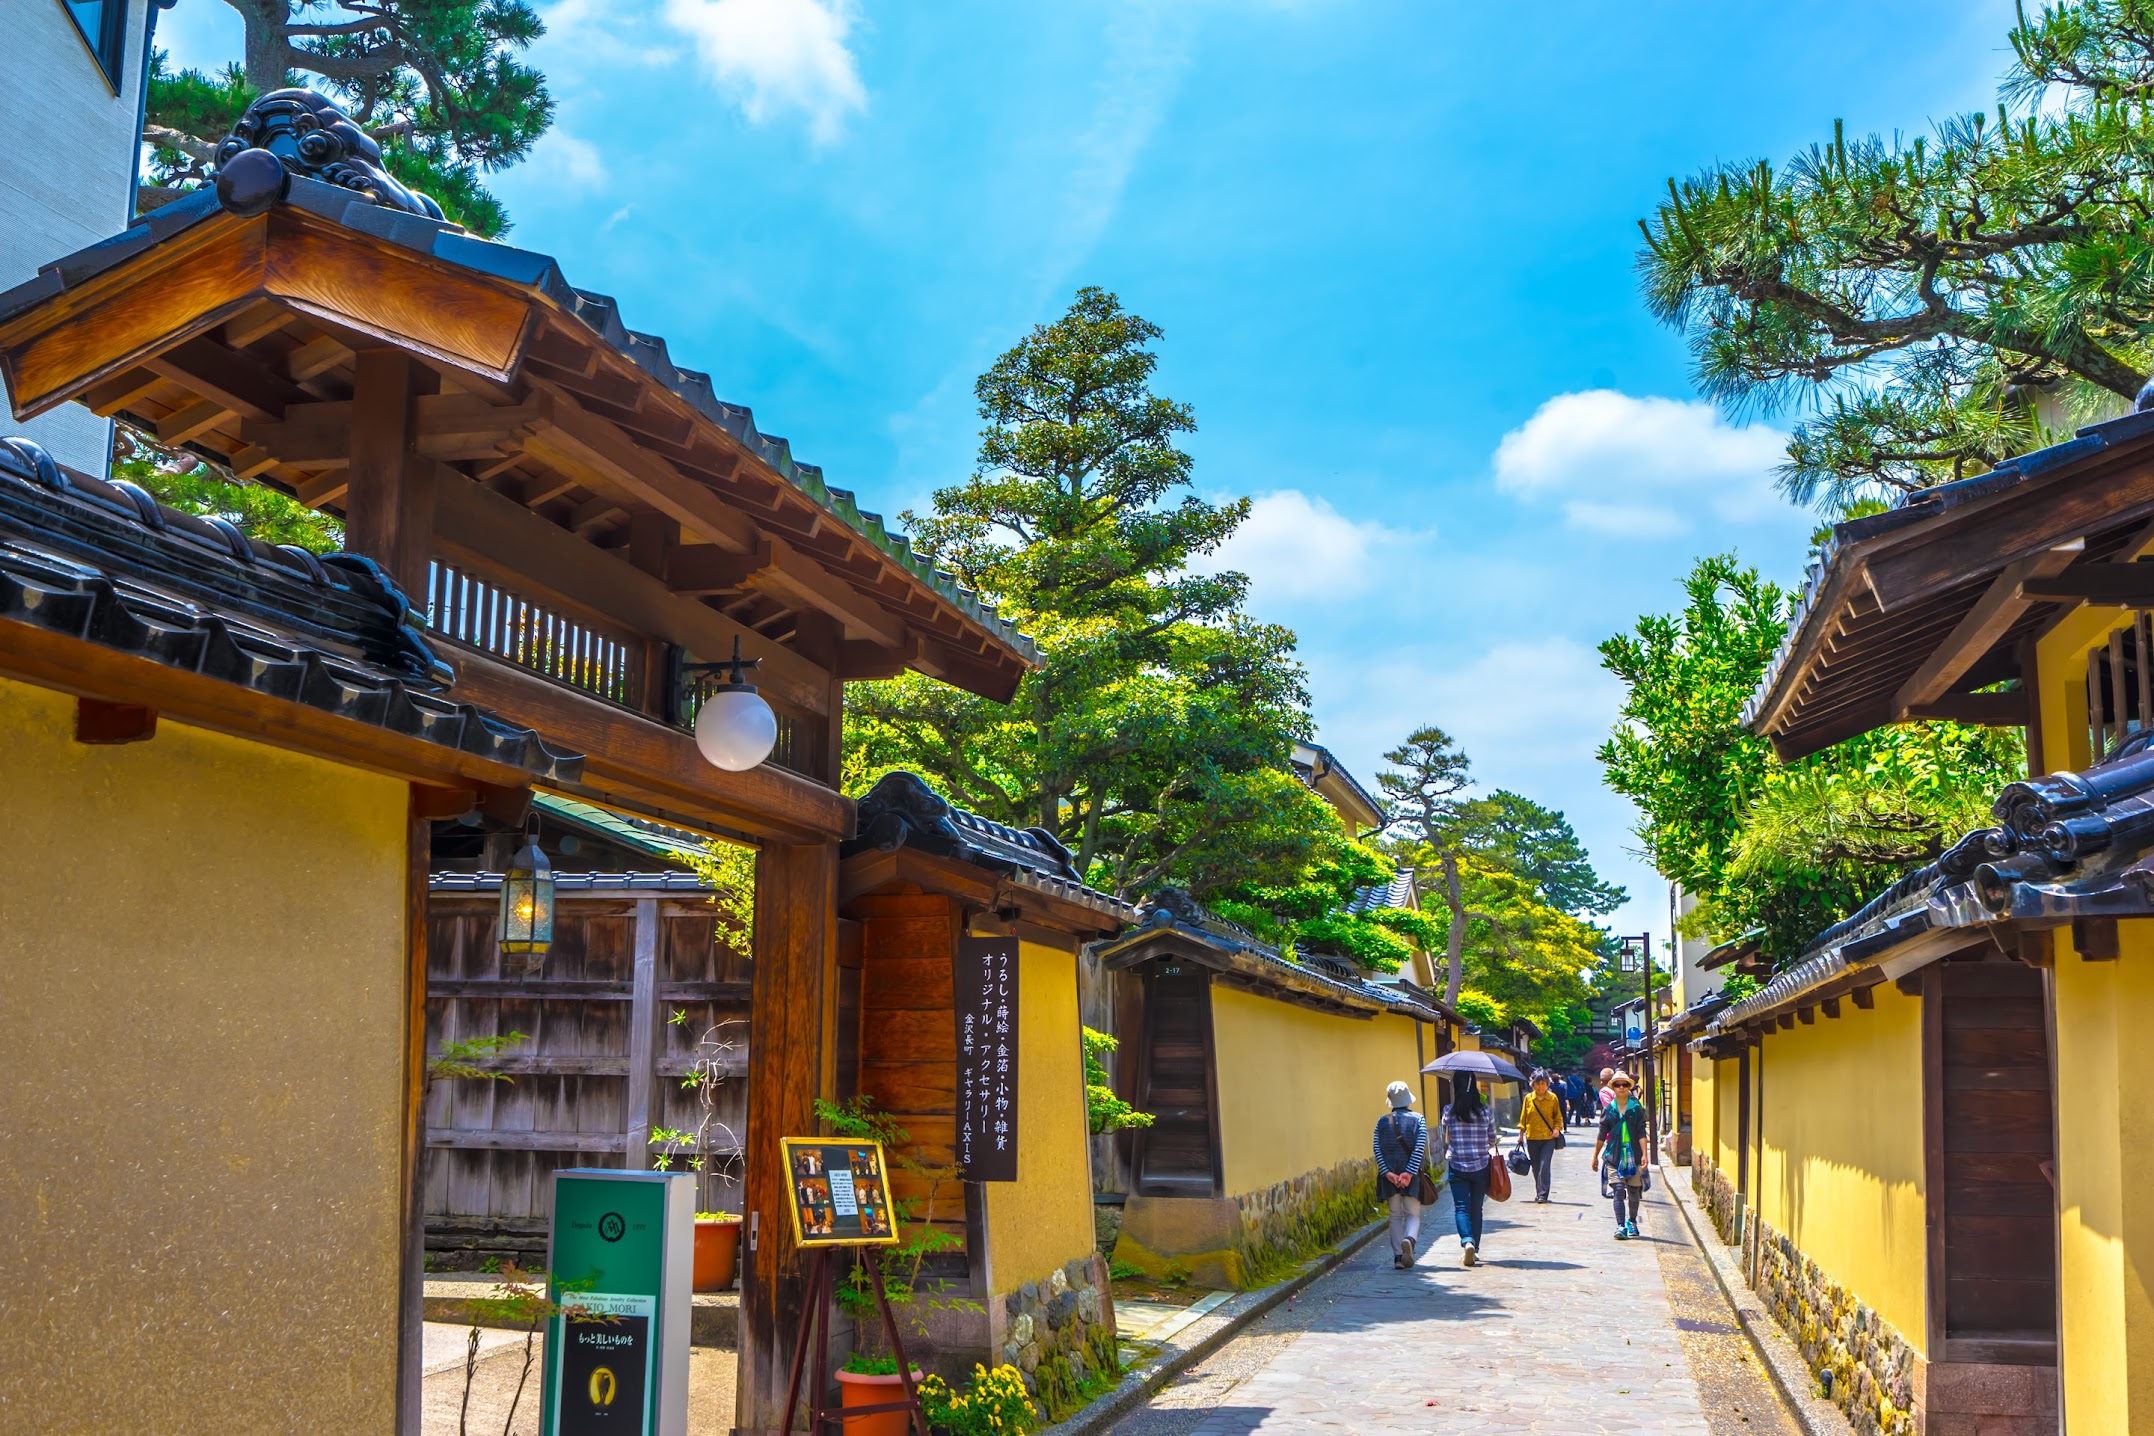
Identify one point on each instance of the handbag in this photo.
(1499, 1183)
(1518, 1161)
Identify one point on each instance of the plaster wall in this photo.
(1044, 1219)
(2105, 1203)
(1841, 1175)
(1300, 1090)
(1726, 1080)
(64, 174)
(202, 1003)
(1703, 1105)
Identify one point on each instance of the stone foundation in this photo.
(1060, 1332)
(1249, 1240)
(1716, 1195)
(1863, 1365)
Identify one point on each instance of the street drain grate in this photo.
(1708, 1328)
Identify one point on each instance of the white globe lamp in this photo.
(735, 727)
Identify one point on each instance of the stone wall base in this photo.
(1246, 1240)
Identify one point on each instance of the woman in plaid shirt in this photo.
(1469, 1134)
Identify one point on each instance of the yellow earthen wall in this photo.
(2105, 1124)
(1300, 1090)
(1703, 1109)
(202, 956)
(1842, 1168)
(1728, 1111)
(1044, 1218)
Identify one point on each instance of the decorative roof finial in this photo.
(304, 134)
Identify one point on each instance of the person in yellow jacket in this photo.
(1540, 1123)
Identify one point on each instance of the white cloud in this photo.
(774, 57)
(1641, 468)
(561, 155)
(1294, 546)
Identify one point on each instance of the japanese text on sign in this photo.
(987, 1058)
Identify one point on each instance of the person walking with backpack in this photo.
(1469, 1135)
(1623, 1135)
(1540, 1126)
(1402, 1149)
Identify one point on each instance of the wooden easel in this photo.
(815, 1327)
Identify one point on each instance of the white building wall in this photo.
(1690, 982)
(65, 170)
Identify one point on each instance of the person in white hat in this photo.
(1402, 1146)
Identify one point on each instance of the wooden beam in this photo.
(234, 380)
(2038, 947)
(191, 421)
(579, 442)
(389, 507)
(104, 724)
(697, 569)
(1807, 1016)
(509, 538)
(1993, 615)
(2111, 585)
(1830, 1006)
(2008, 709)
(649, 764)
(315, 358)
(260, 322)
(1863, 998)
(120, 392)
(2095, 939)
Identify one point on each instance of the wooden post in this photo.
(389, 507)
(643, 1038)
(791, 1062)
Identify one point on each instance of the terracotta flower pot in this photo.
(717, 1244)
(858, 1389)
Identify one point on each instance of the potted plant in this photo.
(867, 1380)
(717, 1248)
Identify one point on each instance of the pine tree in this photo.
(1940, 302)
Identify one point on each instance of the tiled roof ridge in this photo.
(105, 564)
(574, 882)
(903, 810)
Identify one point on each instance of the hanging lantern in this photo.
(527, 907)
(735, 728)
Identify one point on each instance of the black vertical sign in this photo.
(987, 1058)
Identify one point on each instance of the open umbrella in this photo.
(1476, 1064)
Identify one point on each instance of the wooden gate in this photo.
(636, 979)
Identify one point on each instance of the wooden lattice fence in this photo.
(603, 1061)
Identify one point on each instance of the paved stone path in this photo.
(1561, 1329)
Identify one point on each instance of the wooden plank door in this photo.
(1179, 1155)
(1996, 1224)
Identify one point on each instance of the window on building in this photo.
(103, 24)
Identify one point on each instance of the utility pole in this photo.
(1642, 945)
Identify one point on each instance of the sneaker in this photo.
(1473, 1256)
(1622, 1231)
(1632, 1229)
(1406, 1253)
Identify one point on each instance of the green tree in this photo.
(1155, 739)
(1946, 300)
(1791, 848)
(1426, 791)
(1518, 835)
(438, 83)
(181, 481)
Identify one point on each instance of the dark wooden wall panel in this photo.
(908, 1037)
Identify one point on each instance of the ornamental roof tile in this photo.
(107, 564)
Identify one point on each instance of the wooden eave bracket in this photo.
(2000, 606)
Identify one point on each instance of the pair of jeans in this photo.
(1405, 1217)
(1543, 1152)
(1469, 1194)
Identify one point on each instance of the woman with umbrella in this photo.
(1469, 1133)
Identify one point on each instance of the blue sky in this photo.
(1391, 246)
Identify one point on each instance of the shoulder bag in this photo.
(1499, 1182)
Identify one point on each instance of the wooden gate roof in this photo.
(1906, 613)
(235, 336)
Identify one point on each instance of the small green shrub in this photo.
(1123, 1271)
(862, 1363)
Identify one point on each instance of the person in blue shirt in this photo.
(1402, 1146)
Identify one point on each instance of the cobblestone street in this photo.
(1561, 1329)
